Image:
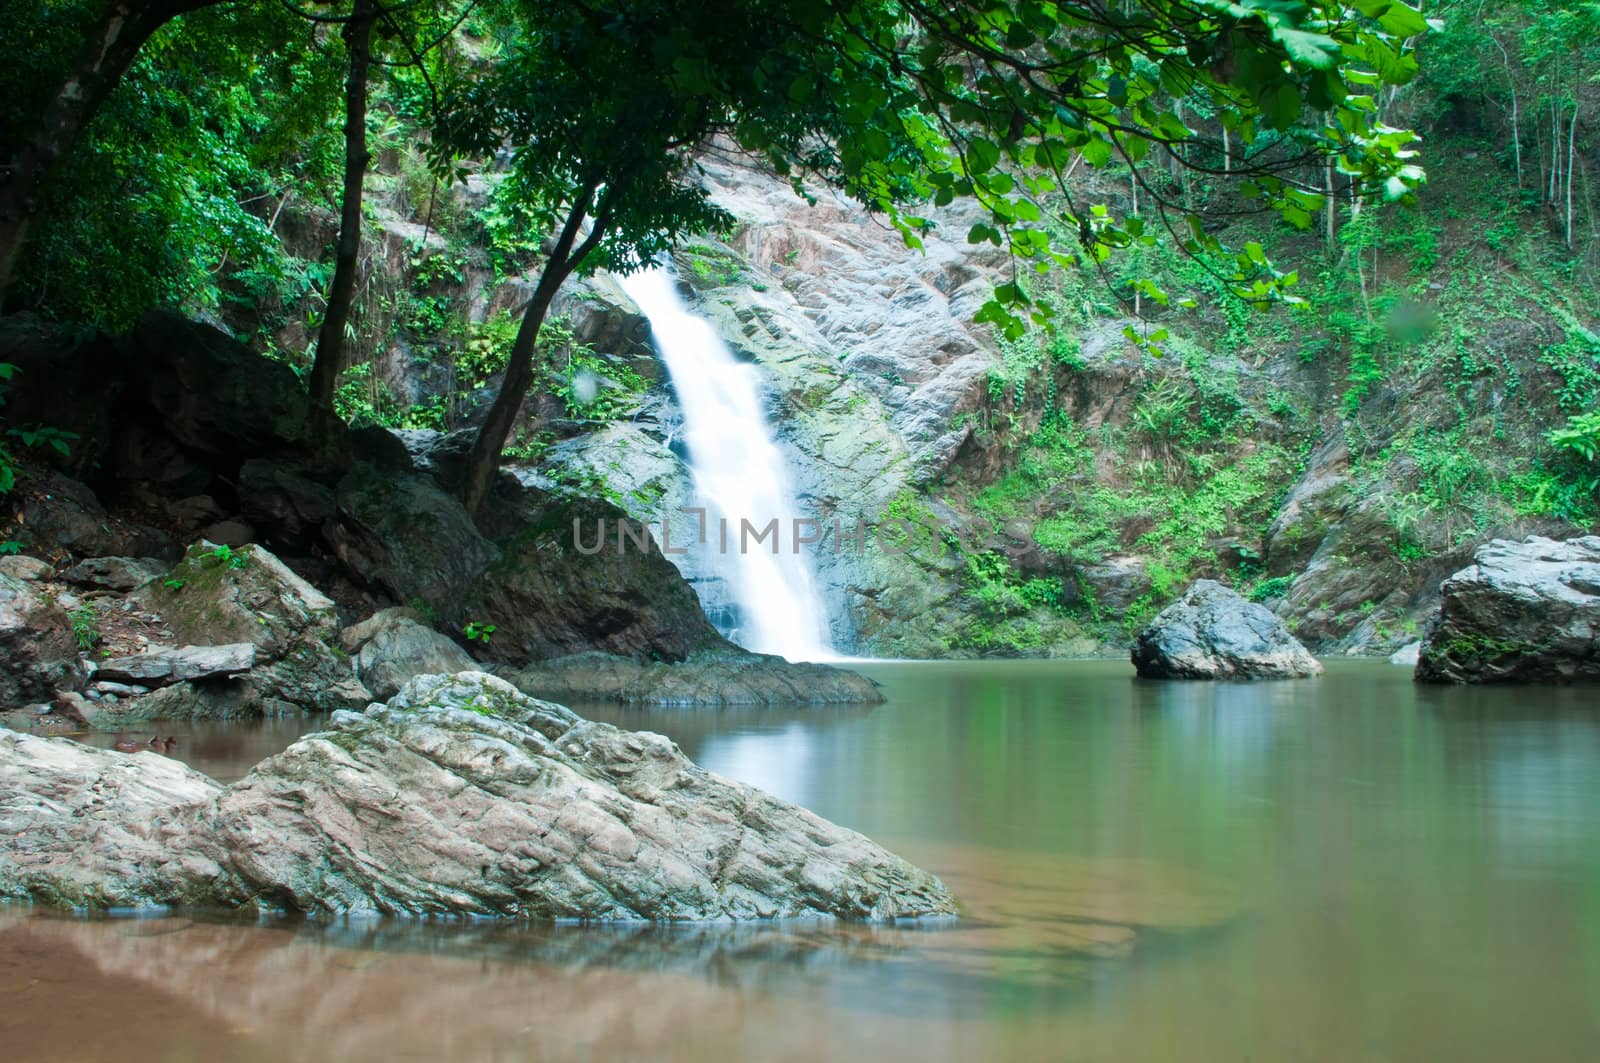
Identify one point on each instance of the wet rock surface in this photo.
(1214, 633)
(1522, 612)
(715, 677)
(460, 796)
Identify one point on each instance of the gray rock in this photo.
(248, 595)
(92, 827)
(461, 796)
(1116, 582)
(401, 648)
(407, 535)
(38, 651)
(174, 664)
(712, 677)
(1213, 633)
(357, 635)
(20, 566)
(121, 574)
(1523, 612)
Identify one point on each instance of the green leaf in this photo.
(1311, 49)
(1097, 152)
(982, 155)
(981, 232)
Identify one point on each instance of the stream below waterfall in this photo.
(1350, 868)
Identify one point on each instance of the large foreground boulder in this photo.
(710, 677)
(1213, 633)
(1522, 612)
(460, 796)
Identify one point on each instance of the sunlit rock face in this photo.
(460, 796)
(1213, 633)
(1522, 612)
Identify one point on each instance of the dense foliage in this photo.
(1168, 165)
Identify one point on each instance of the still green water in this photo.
(1350, 868)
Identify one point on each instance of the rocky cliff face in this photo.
(1078, 482)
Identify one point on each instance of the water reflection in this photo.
(1351, 868)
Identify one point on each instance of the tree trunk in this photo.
(342, 289)
(484, 459)
(108, 50)
(1572, 145)
(1333, 217)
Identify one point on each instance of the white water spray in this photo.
(739, 475)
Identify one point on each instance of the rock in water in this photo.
(1525, 612)
(709, 677)
(90, 827)
(1407, 656)
(461, 796)
(1213, 633)
(393, 645)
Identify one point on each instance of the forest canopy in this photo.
(151, 145)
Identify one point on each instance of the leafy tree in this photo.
(413, 30)
(906, 102)
(170, 195)
(103, 39)
(606, 104)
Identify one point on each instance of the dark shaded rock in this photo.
(195, 511)
(248, 595)
(62, 380)
(160, 667)
(1523, 612)
(1213, 633)
(406, 534)
(286, 506)
(460, 796)
(708, 677)
(379, 447)
(240, 697)
(63, 516)
(521, 573)
(548, 599)
(142, 453)
(121, 574)
(215, 396)
(394, 646)
(38, 652)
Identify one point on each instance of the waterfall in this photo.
(739, 474)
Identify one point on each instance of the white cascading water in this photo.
(739, 474)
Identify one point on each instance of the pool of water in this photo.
(1351, 868)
